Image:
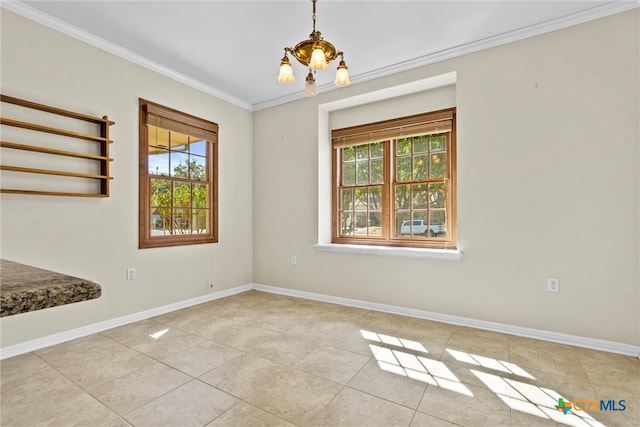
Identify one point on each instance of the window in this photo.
(394, 182)
(178, 178)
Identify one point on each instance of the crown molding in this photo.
(93, 40)
(594, 13)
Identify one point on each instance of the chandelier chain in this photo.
(314, 15)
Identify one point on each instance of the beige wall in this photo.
(548, 186)
(97, 238)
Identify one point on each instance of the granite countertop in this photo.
(24, 288)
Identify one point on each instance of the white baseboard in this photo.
(49, 340)
(595, 344)
(557, 337)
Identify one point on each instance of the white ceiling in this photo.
(233, 48)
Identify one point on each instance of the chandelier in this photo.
(314, 53)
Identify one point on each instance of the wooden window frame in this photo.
(386, 132)
(172, 120)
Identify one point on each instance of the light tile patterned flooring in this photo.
(262, 359)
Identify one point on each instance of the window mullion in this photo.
(387, 202)
(336, 174)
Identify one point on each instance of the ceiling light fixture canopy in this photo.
(316, 54)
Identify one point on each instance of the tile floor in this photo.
(262, 359)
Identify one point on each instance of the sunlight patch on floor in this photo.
(407, 358)
(489, 362)
(406, 364)
(158, 334)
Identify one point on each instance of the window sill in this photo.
(445, 254)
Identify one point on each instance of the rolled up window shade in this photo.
(165, 118)
(422, 124)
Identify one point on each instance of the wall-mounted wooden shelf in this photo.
(91, 164)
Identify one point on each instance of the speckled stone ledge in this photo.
(24, 288)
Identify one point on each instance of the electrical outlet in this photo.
(553, 285)
(293, 260)
(131, 274)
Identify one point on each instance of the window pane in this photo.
(420, 144)
(375, 211)
(181, 221)
(377, 150)
(403, 168)
(198, 147)
(200, 196)
(420, 167)
(179, 141)
(437, 195)
(158, 160)
(348, 173)
(361, 199)
(346, 224)
(375, 224)
(348, 154)
(438, 165)
(402, 197)
(346, 199)
(361, 224)
(403, 226)
(198, 168)
(438, 224)
(200, 221)
(377, 171)
(181, 194)
(403, 146)
(362, 172)
(160, 193)
(419, 224)
(438, 142)
(158, 137)
(179, 164)
(419, 196)
(362, 152)
(420, 219)
(159, 220)
(375, 198)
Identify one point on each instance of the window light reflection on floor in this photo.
(534, 400)
(519, 396)
(158, 334)
(488, 362)
(409, 365)
(388, 361)
(398, 342)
